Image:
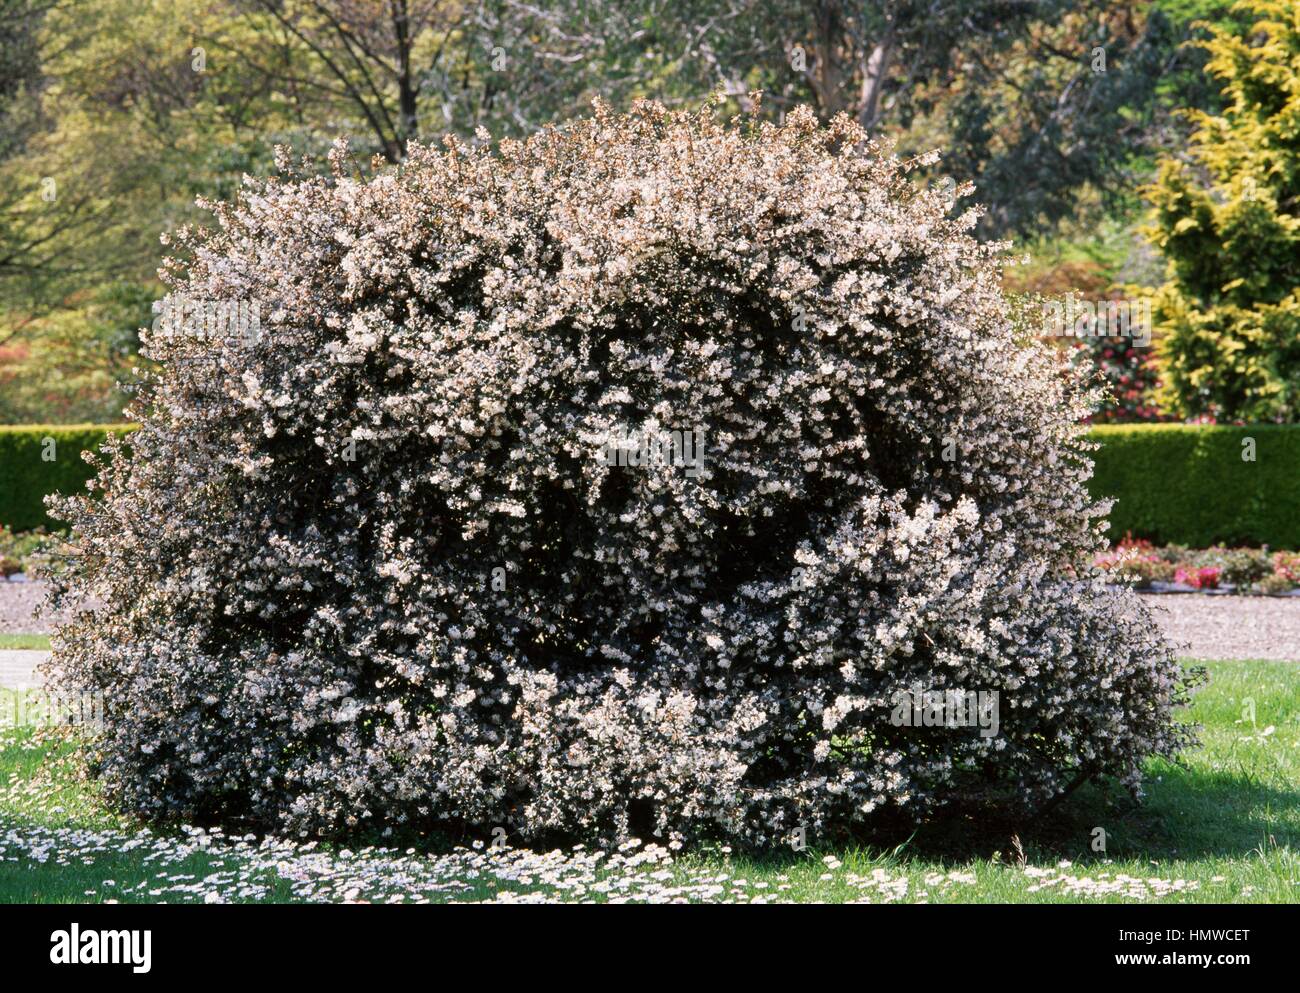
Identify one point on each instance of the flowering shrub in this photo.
(1236, 566)
(1135, 560)
(1274, 584)
(1138, 562)
(373, 567)
(1286, 565)
(1204, 578)
(1128, 376)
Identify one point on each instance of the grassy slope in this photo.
(1229, 819)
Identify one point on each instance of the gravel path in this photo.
(18, 669)
(1230, 627)
(17, 604)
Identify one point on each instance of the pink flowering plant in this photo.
(1138, 562)
(1128, 376)
(372, 567)
(1286, 566)
(1135, 561)
(1203, 578)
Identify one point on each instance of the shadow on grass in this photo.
(1188, 814)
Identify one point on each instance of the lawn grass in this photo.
(1225, 822)
(40, 642)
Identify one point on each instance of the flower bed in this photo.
(1178, 569)
(18, 551)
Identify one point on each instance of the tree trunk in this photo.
(407, 92)
(874, 73)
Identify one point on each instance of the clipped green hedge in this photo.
(30, 467)
(1188, 483)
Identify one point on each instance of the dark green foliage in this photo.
(26, 477)
(1188, 484)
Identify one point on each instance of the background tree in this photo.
(27, 225)
(131, 109)
(109, 160)
(1227, 218)
(394, 70)
(1033, 101)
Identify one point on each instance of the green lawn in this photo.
(1224, 827)
(37, 641)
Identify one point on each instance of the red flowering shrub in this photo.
(1135, 560)
(1127, 374)
(1204, 578)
